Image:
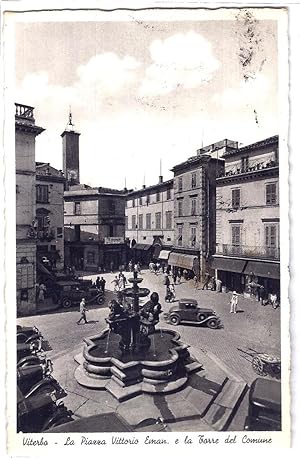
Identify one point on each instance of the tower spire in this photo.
(160, 180)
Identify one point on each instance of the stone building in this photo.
(25, 133)
(150, 222)
(247, 218)
(194, 212)
(94, 222)
(50, 184)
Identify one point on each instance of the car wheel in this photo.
(66, 303)
(201, 317)
(174, 319)
(212, 323)
(100, 300)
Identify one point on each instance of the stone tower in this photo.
(70, 140)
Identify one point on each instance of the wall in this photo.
(253, 202)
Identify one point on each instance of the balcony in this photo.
(247, 251)
(253, 166)
(24, 111)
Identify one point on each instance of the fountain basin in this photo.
(164, 367)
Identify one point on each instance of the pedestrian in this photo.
(179, 275)
(213, 284)
(206, 281)
(124, 281)
(111, 266)
(155, 268)
(262, 295)
(234, 302)
(218, 286)
(98, 283)
(42, 290)
(102, 284)
(116, 284)
(196, 281)
(83, 311)
(174, 275)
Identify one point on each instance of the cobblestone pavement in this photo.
(253, 328)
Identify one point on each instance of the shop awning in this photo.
(43, 270)
(141, 246)
(185, 261)
(229, 264)
(263, 269)
(164, 254)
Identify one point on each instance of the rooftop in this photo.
(147, 189)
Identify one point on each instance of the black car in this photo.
(70, 292)
(188, 311)
(264, 412)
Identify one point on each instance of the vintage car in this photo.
(27, 334)
(188, 311)
(70, 292)
(264, 411)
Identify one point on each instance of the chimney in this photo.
(160, 179)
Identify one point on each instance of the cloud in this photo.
(182, 60)
(251, 92)
(107, 72)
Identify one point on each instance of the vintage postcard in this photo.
(146, 227)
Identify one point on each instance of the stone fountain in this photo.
(131, 356)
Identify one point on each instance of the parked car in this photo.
(27, 334)
(188, 311)
(264, 411)
(40, 412)
(70, 292)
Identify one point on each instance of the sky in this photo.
(141, 92)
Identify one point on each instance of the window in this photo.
(77, 209)
(179, 235)
(193, 206)
(111, 206)
(168, 194)
(236, 235)
(140, 201)
(148, 220)
(90, 257)
(168, 220)
(158, 196)
(133, 202)
(42, 193)
(140, 221)
(111, 230)
(59, 232)
(158, 220)
(126, 222)
(244, 163)
(270, 235)
(133, 222)
(194, 182)
(148, 199)
(193, 236)
(180, 207)
(236, 198)
(271, 194)
(180, 184)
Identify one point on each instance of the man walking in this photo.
(234, 302)
(82, 311)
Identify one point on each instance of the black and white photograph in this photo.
(147, 182)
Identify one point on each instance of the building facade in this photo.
(50, 184)
(94, 223)
(247, 218)
(195, 213)
(25, 133)
(150, 222)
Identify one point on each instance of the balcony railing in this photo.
(252, 167)
(262, 252)
(24, 111)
